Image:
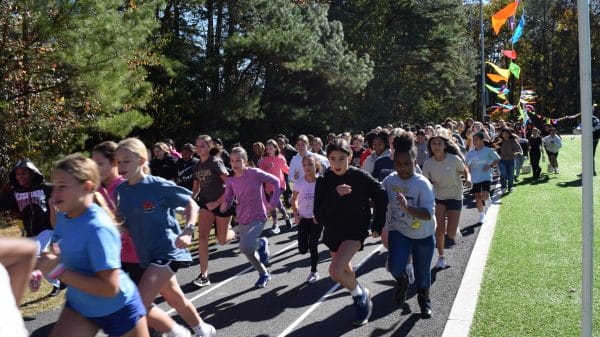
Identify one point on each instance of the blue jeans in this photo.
(401, 247)
(519, 160)
(507, 172)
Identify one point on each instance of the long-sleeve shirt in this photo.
(349, 215)
(249, 193)
(509, 149)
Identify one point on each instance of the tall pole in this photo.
(483, 110)
(585, 83)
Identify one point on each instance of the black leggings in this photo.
(308, 240)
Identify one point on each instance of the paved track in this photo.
(290, 307)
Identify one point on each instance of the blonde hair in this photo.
(83, 169)
(137, 147)
(161, 146)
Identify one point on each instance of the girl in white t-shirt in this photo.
(303, 199)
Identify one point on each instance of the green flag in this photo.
(515, 69)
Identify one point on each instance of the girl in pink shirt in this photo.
(104, 156)
(275, 164)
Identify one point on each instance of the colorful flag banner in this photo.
(496, 78)
(511, 54)
(515, 69)
(503, 72)
(502, 15)
(519, 30)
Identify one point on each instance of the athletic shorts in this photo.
(555, 154)
(173, 265)
(333, 243)
(217, 210)
(133, 270)
(451, 204)
(121, 321)
(483, 186)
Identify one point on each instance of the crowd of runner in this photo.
(107, 227)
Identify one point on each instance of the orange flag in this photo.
(502, 15)
(496, 78)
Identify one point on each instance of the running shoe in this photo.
(275, 230)
(364, 307)
(212, 332)
(288, 223)
(263, 280)
(312, 277)
(441, 262)
(481, 217)
(424, 303)
(202, 281)
(263, 250)
(55, 291)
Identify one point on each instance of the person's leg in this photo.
(519, 160)
(303, 235)
(340, 268)
(313, 244)
(479, 202)
(422, 252)
(398, 256)
(440, 230)
(452, 226)
(249, 234)
(510, 173)
(503, 174)
(224, 234)
(139, 330)
(71, 323)
(384, 237)
(205, 221)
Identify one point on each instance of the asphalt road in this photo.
(288, 306)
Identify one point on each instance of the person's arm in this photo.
(227, 197)
(18, 257)
(319, 199)
(294, 203)
(380, 200)
(270, 179)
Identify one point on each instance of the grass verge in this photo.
(532, 281)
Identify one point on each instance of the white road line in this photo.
(464, 306)
(322, 299)
(222, 283)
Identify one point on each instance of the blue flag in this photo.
(519, 29)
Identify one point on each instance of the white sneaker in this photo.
(178, 331)
(410, 272)
(482, 217)
(441, 262)
(556, 170)
(275, 230)
(313, 277)
(209, 331)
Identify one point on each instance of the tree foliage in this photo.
(65, 65)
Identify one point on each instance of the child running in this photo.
(444, 169)
(99, 294)
(104, 156)
(275, 164)
(410, 223)
(303, 200)
(147, 207)
(246, 185)
(342, 198)
(208, 188)
(480, 160)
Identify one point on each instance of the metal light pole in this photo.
(585, 83)
(483, 110)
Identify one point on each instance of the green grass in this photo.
(532, 281)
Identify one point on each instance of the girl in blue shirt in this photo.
(147, 206)
(87, 258)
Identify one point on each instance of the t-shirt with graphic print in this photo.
(208, 174)
(418, 192)
(306, 197)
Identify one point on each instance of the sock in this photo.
(357, 291)
(203, 329)
(175, 331)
